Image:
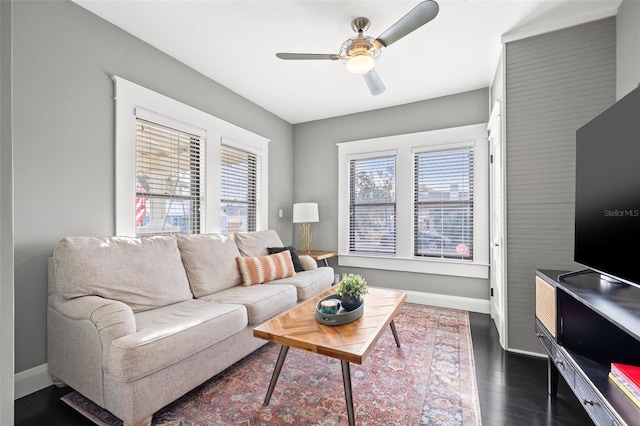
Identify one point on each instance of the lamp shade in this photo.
(305, 213)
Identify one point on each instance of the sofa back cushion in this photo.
(254, 244)
(210, 262)
(145, 273)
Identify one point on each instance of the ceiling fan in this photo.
(360, 52)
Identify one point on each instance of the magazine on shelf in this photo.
(626, 378)
(631, 372)
(635, 399)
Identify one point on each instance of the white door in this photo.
(497, 277)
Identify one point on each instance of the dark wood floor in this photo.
(512, 390)
(513, 387)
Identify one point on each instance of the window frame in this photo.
(200, 134)
(405, 147)
(370, 156)
(441, 203)
(132, 100)
(256, 192)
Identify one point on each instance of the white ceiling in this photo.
(235, 42)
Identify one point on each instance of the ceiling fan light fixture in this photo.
(360, 63)
(360, 52)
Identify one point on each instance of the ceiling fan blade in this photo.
(417, 17)
(307, 56)
(376, 86)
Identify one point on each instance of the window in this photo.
(443, 204)
(170, 160)
(416, 203)
(372, 205)
(167, 180)
(239, 190)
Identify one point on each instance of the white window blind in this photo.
(443, 207)
(372, 205)
(239, 190)
(167, 180)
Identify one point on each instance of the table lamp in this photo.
(305, 214)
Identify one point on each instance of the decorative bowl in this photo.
(341, 317)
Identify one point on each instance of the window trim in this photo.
(405, 146)
(132, 99)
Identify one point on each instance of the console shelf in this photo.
(585, 323)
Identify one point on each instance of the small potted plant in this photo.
(350, 290)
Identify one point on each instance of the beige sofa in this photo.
(135, 323)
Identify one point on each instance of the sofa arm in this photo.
(111, 318)
(308, 262)
(79, 336)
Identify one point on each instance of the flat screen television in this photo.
(607, 209)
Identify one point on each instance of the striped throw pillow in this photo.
(256, 270)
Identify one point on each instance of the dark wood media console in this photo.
(585, 323)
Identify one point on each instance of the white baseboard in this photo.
(453, 302)
(31, 380)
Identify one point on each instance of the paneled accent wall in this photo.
(555, 83)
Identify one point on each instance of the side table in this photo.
(319, 255)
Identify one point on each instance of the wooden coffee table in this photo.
(298, 328)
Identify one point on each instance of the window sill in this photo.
(420, 266)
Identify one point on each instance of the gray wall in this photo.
(315, 170)
(64, 140)
(6, 220)
(555, 83)
(628, 40)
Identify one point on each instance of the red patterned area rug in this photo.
(430, 380)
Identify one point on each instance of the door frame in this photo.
(498, 299)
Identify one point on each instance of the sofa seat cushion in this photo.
(210, 262)
(261, 301)
(308, 283)
(170, 334)
(144, 273)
